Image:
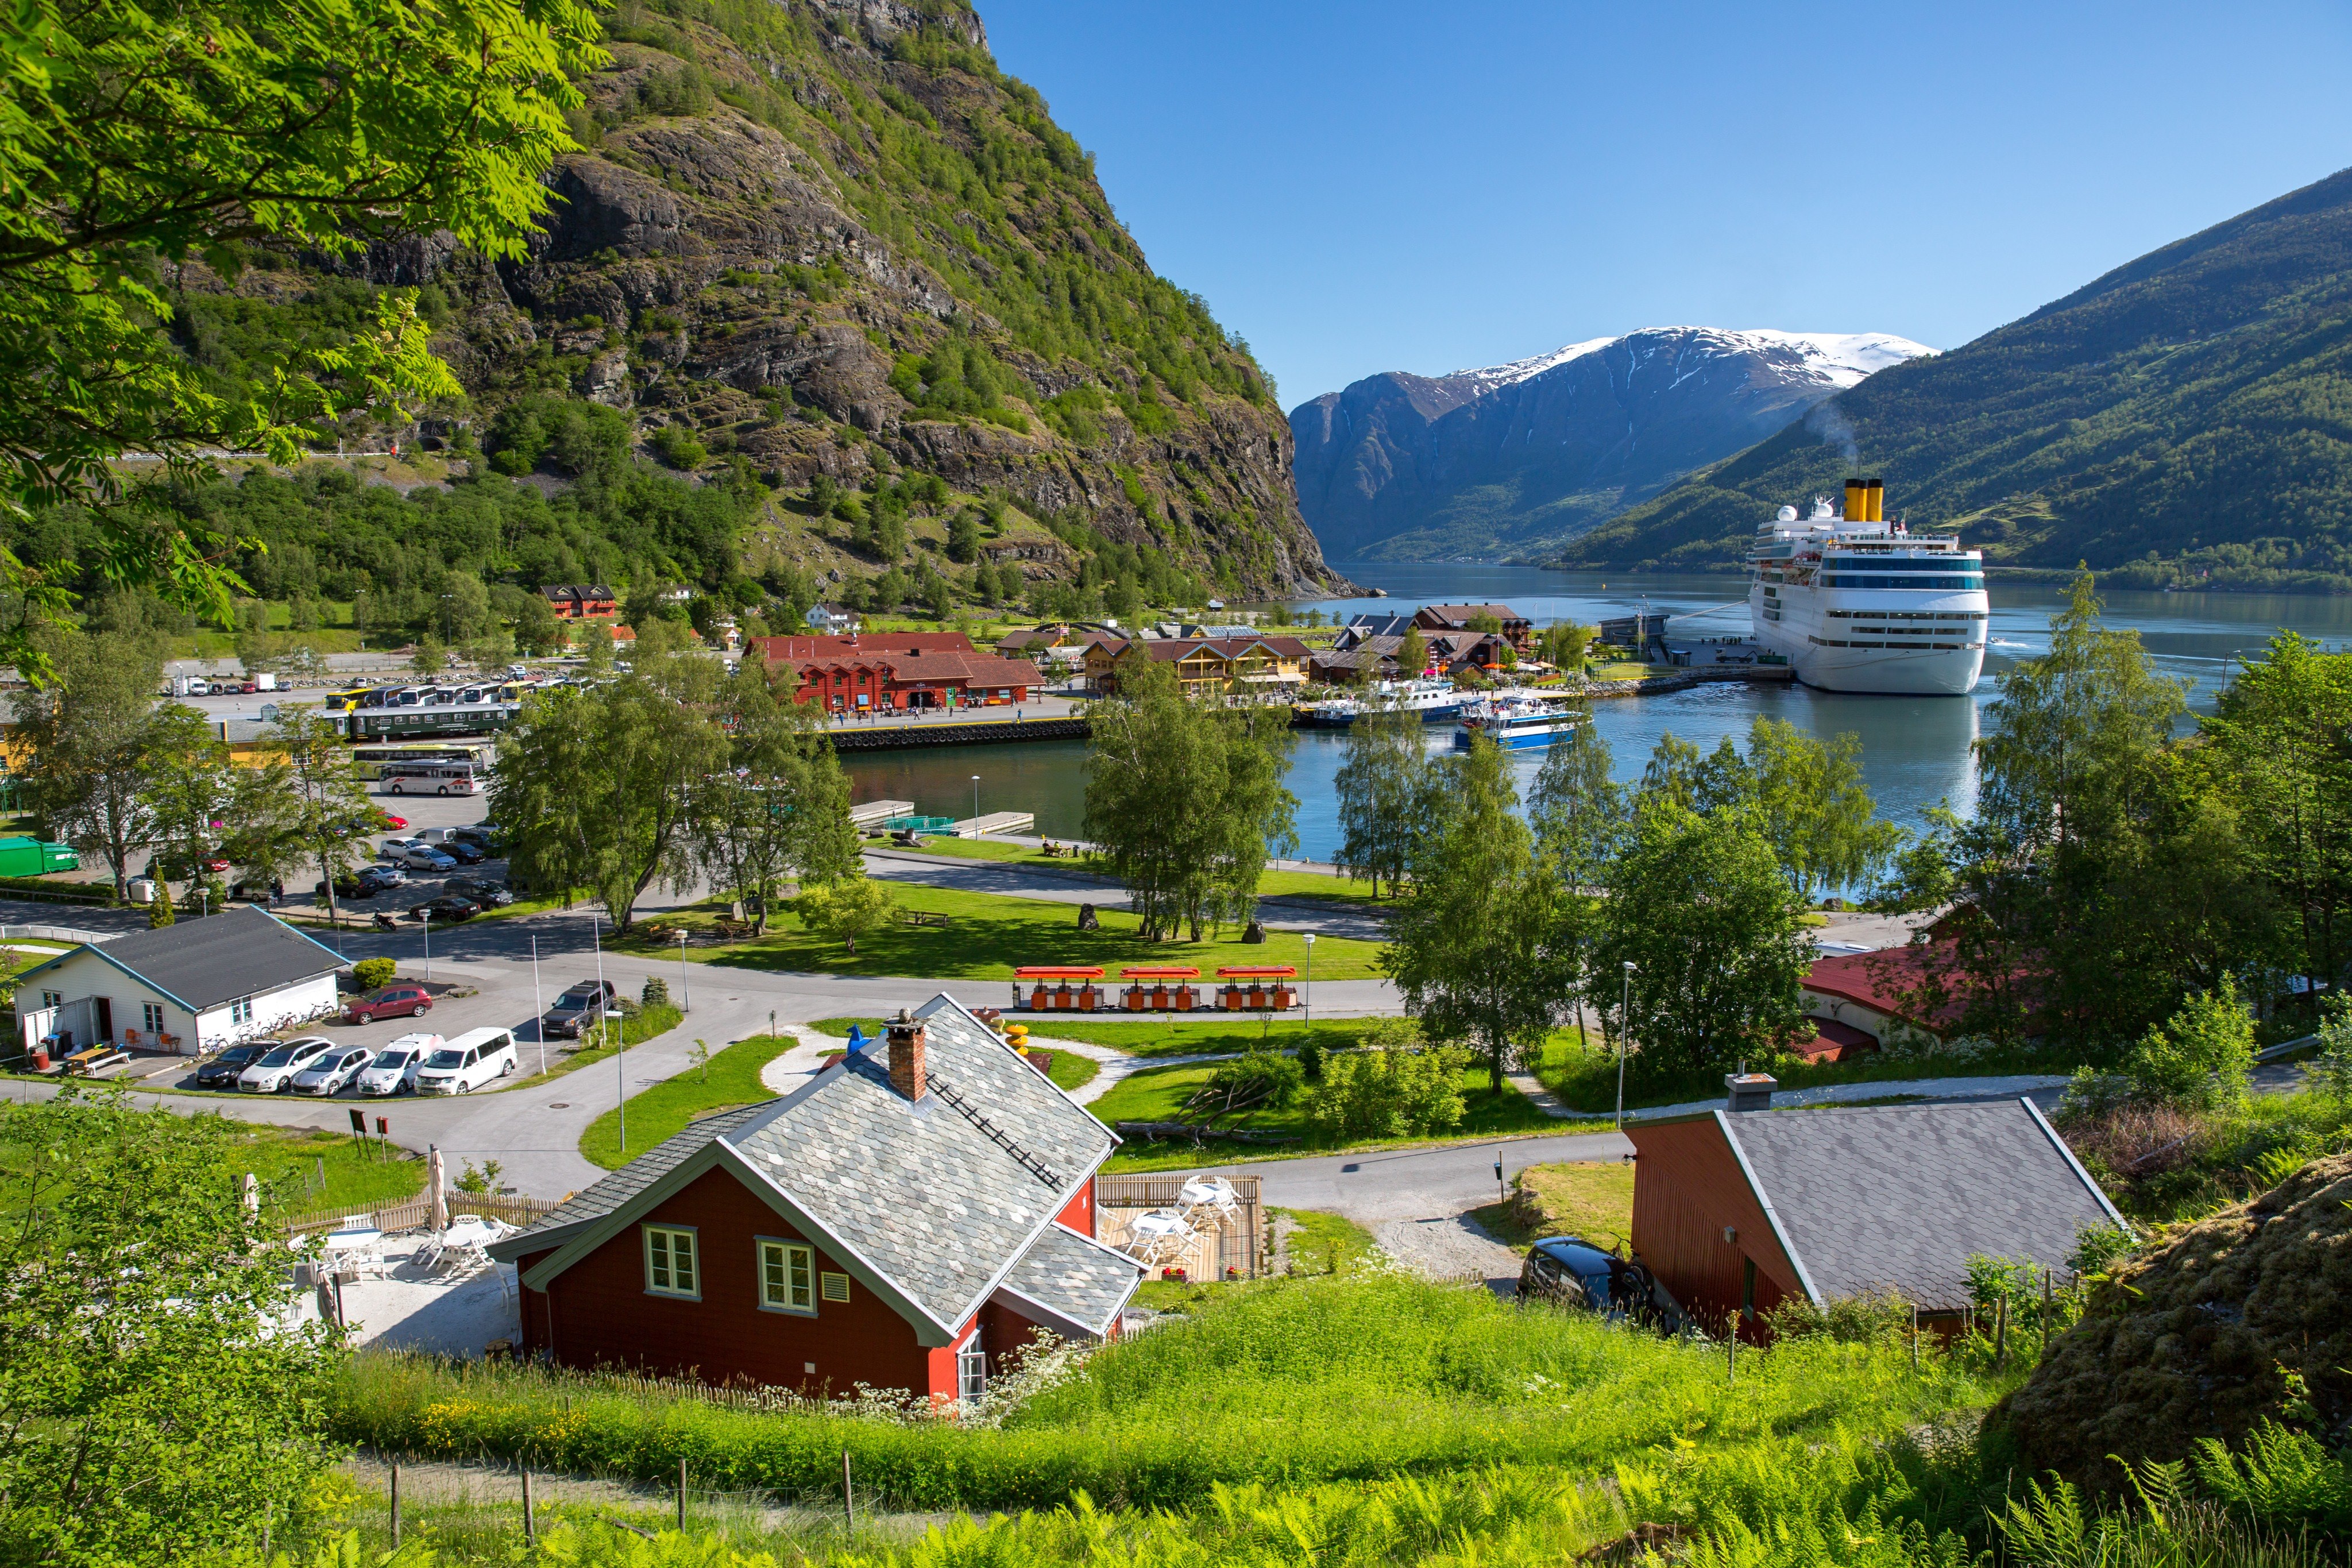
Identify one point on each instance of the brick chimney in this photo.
(905, 1037)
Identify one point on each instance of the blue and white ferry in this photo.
(1435, 700)
(1515, 723)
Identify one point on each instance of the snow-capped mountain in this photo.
(1501, 459)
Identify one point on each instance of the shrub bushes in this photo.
(370, 973)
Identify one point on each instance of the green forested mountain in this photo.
(822, 294)
(2184, 419)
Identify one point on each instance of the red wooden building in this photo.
(918, 1209)
(897, 671)
(582, 601)
(1736, 1212)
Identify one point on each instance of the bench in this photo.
(95, 1060)
(922, 918)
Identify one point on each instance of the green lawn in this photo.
(357, 1175)
(1590, 1198)
(1213, 1033)
(1067, 1069)
(1587, 1078)
(732, 1077)
(1270, 885)
(650, 1024)
(988, 936)
(1158, 1094)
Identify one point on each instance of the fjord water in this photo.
(1915, 750)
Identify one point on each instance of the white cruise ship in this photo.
(1857, 603)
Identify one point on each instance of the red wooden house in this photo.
(1736, 1212)
(582, 601)
(920, 1208)
(898, 670)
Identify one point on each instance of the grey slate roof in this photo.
(1899, 1197)
(1076, 1276)
(244, 952)
(919, 1191)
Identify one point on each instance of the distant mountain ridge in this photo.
(2184, 420)
(1512, 459)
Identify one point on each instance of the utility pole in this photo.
(538, 1007)
(605, 1021)
(685, 986)
(1624, 1023)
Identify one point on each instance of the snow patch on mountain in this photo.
(1835, 359)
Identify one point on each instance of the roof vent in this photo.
(1748, 1091)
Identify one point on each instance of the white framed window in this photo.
(151, 1018)
(972, 1369)
(672, 1265)
(787, 1276)
(241, 1010)
(53, 999)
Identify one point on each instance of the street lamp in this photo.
(428, 945)
(975, 805)
(537, 1008)
(605, 1023)
(685, 986)
(1624, 1022)
(1310, 981)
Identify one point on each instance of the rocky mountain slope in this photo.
(1508, 459)
(2185, 419)
(830, 237)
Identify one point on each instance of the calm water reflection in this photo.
(1915, 750)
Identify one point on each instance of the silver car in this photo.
(275, 1072)
(330, 1072)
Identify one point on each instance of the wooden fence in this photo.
(417, 1212)
(1237, 1243)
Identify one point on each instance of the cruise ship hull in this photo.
(1889, 669)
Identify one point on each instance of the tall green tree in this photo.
(319, 812)
(97, 743)
(133, 142)
(1698, 904)
(1580, 817)
(1382, 791)
(597, 785)
(1817, 812)
(143, 1343)
(1185, 801)
(781, 804)
(1474, 947)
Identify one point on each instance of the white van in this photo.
(395, 1066)
(467, 1063)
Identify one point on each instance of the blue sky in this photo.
(1379, 186)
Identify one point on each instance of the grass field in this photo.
(1158, 1094)
(308, 1173)
(1590, 1198)
(650, 1024)
(1214, 1034)
(732, 1077)
(1271, 884)
(987, 936)
(1067, 1069)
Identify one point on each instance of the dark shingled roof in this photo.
(921, 1191)
(206, 963)
(1898, 1197)
(1076, 1278)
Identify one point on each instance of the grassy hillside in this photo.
(2186, 418)
(824, 294)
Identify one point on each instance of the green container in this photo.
(31, 857)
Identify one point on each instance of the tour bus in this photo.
(440, 776)
(344, 701)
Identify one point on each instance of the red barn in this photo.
(918, 1209)
(1740, 1211)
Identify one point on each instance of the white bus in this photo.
(438, 775)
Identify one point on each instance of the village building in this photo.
(1738, 1211)
(1871, 1000)
(1205, 666)
(894, 671)
(582, 602)
(1516, 627)
(1362, 629)
(906, 1219)
(190, 987)
(830, 620)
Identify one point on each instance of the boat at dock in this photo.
(1435, 700)
(1515, 723)
(1857, 603)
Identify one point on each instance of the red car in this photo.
(385, 822)
(400, 999)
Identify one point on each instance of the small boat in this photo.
(1435, 700)
(1514, 723)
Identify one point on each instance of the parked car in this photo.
(365, 883)
(393, 849)
(425, 857)
(1573, 1272)
(467, 1062)
(401, 999)
(584, 1004)
(464, 851)
(487, 891)
(448, 907)
(273, 1071)
(223, 1070)
(387, 823)
(395, 1069)
(331, 1072)
(482, 833)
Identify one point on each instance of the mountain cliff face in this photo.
(1515, 458)
(2184, 420)
(830, 237)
